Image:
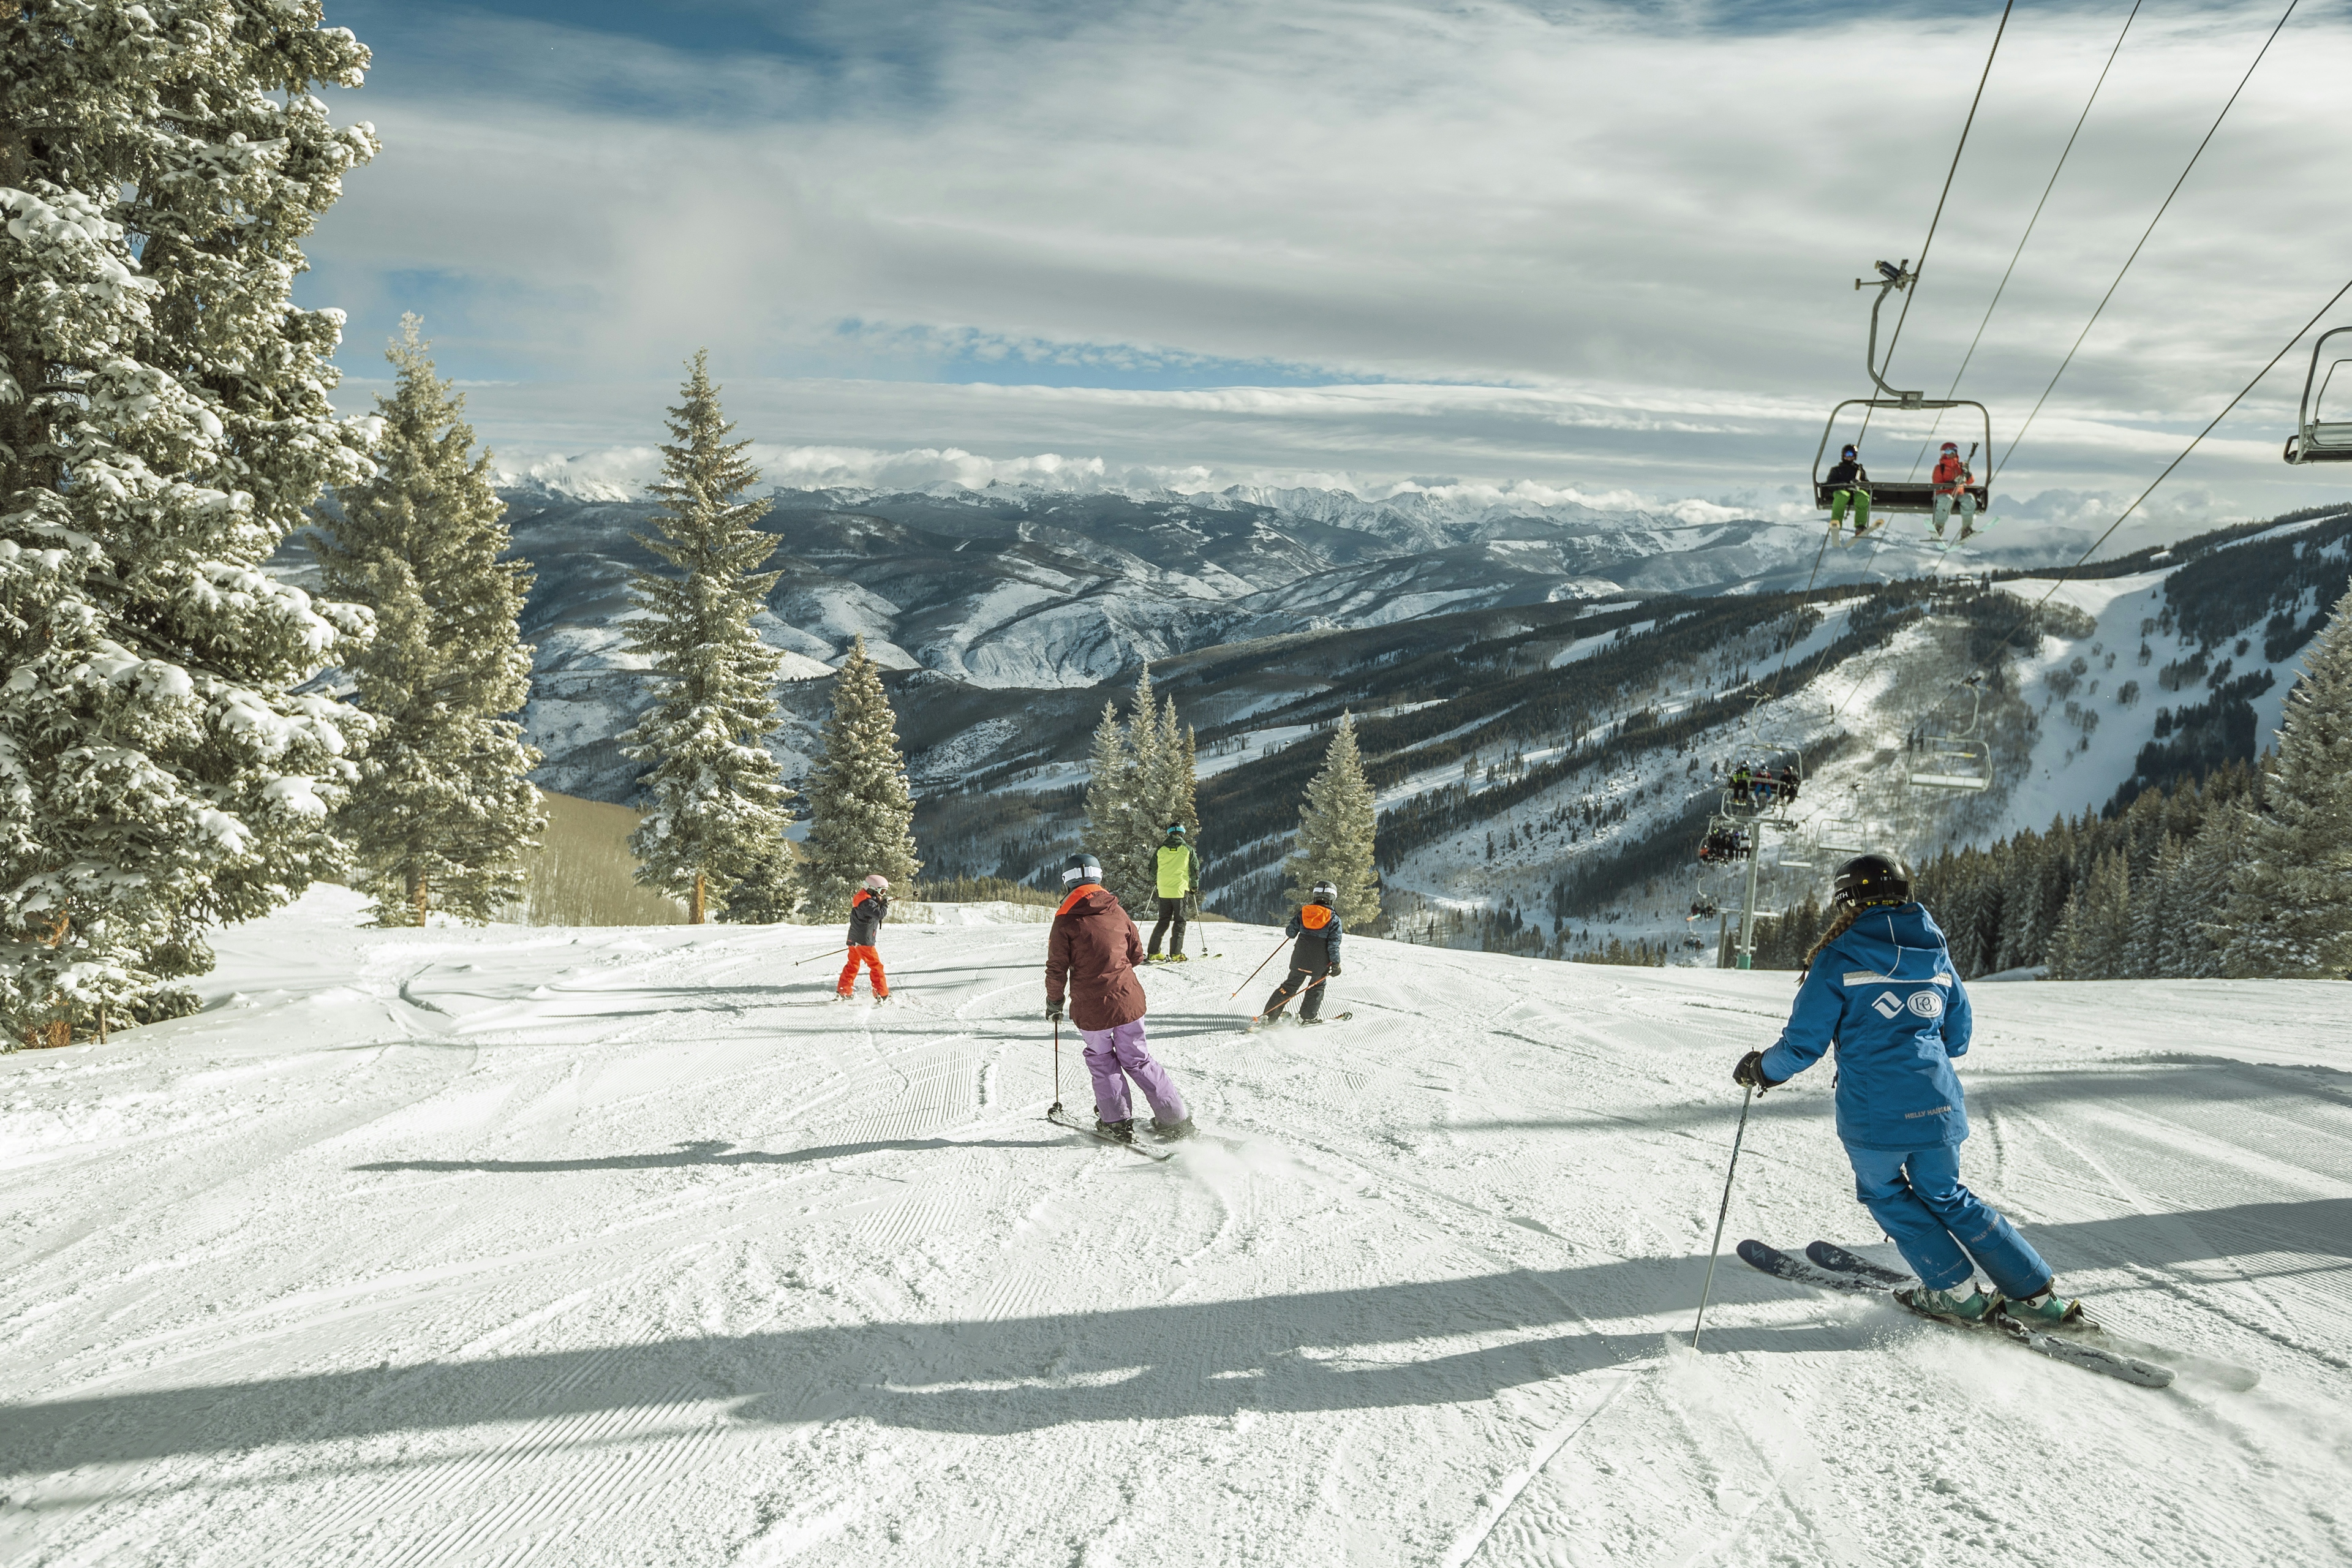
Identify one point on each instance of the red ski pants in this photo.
(871, 957)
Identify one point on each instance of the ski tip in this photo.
(1756, 1253)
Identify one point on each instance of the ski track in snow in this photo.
(520, 1246)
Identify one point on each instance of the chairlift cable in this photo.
(2064, 154)
(2135, 249)
(1921, 271)
(2060, 581)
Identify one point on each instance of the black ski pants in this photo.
(1300, 979)
(1170, 911)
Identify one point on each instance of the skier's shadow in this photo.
(1405, 1344)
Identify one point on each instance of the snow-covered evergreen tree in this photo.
(1109, 788)
(443, 808)
(1129, 864)
(2095, 931)
(716, 802)
(2289, 913)
(861, 813)
(1335, 834)
(2193, 936)
(2154, 912)
(163, 423)
(769, 892)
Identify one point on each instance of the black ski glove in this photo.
(1335, 972)
(1052, 1012)
(1749, 1073)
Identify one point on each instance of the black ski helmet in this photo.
(1850, 452)
(1871, 879)
(1081, 868)
(1322, 893)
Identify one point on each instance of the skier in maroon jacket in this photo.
(1091, 957)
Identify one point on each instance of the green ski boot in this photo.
(2047, 1310)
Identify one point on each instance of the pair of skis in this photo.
(1061, 1118)
(2083, 1343)
(1261, 1021)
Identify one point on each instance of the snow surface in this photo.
(628, 1246)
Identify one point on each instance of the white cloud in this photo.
(1594, 249)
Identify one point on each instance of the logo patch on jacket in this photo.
(1886, 1004)
(1926, 1004)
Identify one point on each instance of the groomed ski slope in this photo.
(628, 1246)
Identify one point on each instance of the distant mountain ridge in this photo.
(1030, 589)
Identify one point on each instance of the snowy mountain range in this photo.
(1567, 680)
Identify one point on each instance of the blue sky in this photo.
(1606, 249)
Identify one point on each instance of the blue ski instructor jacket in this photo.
(1886, 994)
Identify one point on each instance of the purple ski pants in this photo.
(1116, 1054)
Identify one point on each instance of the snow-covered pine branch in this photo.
(443, 808)
(163, 423)
(2289, 912)
(716, 799)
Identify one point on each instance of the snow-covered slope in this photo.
(627, 1247)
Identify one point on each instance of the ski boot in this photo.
(1177, 958)
(1119, 1132)
(884, 996)
(1974, 1307)
(2047, 1310)
(1305, 1022)
(843, 996)
(1169, 1131)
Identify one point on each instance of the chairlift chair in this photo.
(1897, 494)
(1842, 836)
(1959, 762)
(2317, 439)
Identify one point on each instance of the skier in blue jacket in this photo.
(1880, 987)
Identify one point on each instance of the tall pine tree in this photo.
(1109, 789)
(2290, 907)
(717, 801)
(163, 423)
(2094, 932)
(443, 808)
(1336, 827)
(861, 813)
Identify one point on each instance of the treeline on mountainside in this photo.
(2246, 873)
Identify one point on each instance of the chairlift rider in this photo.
(1849, 483)
(1952, 479)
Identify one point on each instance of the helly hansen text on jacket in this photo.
(1886, 994)
(1090, 957)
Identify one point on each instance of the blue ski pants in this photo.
(1939, 1225)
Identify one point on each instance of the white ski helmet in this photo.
(877, 883)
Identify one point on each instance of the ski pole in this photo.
(1261, 964)
(1708, 1289)
(1057, 1067)
(813, 957)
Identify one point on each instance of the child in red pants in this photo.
(865, 912)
